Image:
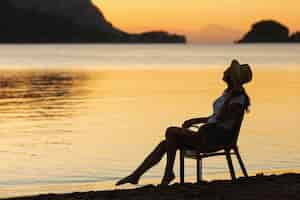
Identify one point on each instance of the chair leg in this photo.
(230, 165)
(241, 161)
(181, 166)
(199, 170)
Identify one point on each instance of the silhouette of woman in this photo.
(228, 108)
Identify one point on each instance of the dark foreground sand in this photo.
(272, 187)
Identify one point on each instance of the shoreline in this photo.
(284, 186)
(17, 192)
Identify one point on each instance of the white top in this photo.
(217, 106)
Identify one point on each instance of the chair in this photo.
(226, 150)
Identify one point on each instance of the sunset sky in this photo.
(201, 20)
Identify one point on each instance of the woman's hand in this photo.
(189, 123)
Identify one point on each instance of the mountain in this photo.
(269, 31)
(66, 21)
(80, 12)
(295, 37)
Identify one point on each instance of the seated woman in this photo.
(217, 128)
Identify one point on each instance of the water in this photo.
(88, 114)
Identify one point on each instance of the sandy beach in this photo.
(285, 186)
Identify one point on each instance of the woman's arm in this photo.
(191, 122)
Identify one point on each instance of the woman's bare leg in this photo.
(176, 138)
(171, 144)
(152, 159)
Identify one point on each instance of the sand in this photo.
(286, 186)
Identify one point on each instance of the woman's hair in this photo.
(248, 101)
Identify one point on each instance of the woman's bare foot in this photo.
(129, 179)
(167, 179)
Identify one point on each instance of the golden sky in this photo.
(201, 20)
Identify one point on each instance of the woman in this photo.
(217, 128)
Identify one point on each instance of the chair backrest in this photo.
(236, 129)
(233, 143)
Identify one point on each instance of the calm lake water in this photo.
(77, 117)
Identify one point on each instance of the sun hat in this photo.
(241, 73)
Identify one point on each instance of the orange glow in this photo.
(201, 21)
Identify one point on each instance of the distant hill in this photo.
(66, 21)
(269, 31)
(295, 37)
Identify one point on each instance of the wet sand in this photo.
(285, 186)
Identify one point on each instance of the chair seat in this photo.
(213, 151)
(196, 155)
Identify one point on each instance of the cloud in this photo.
(213, 33)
